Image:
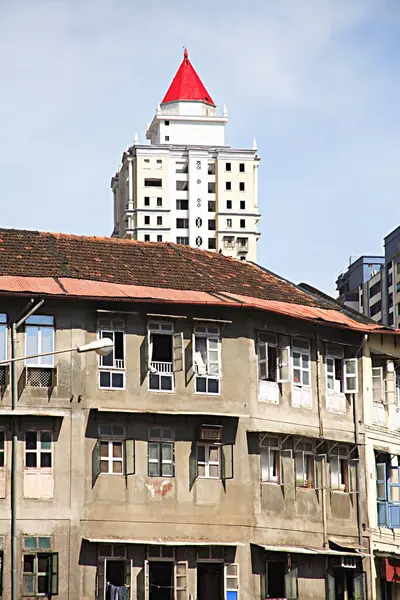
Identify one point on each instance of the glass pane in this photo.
(214, 471)
(43, 584)
(104, 449)
(40, 320)
(305, 360)
(117, 380)
(105, 379)
(154, 382)
(214, 454)
(201, 470)
(212, 344)
(117, 430)
(296, 376)
(29, 543)
(31, 344)
(42, 563)
(30, 440)
(2, 437)
(117, 466)
(213, 386)
(104, 466)
(29, 561)
(167, 470)
(45, 460)
(154, 451)
(47, 344)
(167, 452)
(350, 367)
(30, 459)
(108, 360)
(181, 595)
(117, 449)
(213, 356)
(153, 469)
(330, 382)
(231, 583)
(1, 458)
(306, 378)
(351, 383)
(45, 440)
(29, 584)
(213, 368)
(44, 543)
(166, 383)
(201, 384)
(201, 453)
(296, 359)
(180, 569)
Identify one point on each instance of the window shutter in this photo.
(53, 574)
(286, 467)
(377, 384)
(353, 479)
(149, 349)
(291, 585)
(146, 580)
(330, 586)
(179, 356)
(350, 376)
(101, 580)
(129, 457)
(128, 573)
(262, 355)
(54, 377)
(180, 574)
(381, 481)
(95, 462)
(284, 359)
(226, 461)
(231, 576)
(390, 388)
(193, 466)
(320, 476)
(359, 586)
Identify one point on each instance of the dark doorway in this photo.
(115, 575)
(210, 581)
(161, 580)
(276, 579)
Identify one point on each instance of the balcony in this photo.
(161, 367)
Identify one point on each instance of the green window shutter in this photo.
(227, 461)
(291, 585)
(53, 575)
(193, 466)
(95, 462)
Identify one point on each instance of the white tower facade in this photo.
(186, 185)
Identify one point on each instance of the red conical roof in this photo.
(187, 85)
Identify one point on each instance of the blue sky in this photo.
(316, 81)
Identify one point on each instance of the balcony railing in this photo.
(161, 367)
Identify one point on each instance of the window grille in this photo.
(37, 377)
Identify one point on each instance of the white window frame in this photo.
(207, 463)
(32, 323)
(268, 445)
(302, 450)
(302, 352)
(39, 451)
(115, 326)
(113, 436)
(339, 453)
(332, 373)
(4, 328)
(163, 328)
(349, 376)
(165, 435)
(209, 333)
(265, 361)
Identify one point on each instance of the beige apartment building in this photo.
(187, 185)
(217, 453)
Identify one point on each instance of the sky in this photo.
(315, 81)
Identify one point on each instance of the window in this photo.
(334, 369)
(182, 186)
(388, 490)
(301, 363)
(267, 352)
(112, 454)
(242, 205)
(167, 138)
(159, 238)
(206, 359)
(281, 582)
(147, 160)
(211, 187)
(166, 123)
(228, 241)
(181, 167)
(304, 458)
(182, 204)
(243, 244)
(211, 224)
(241, 168)
(165, 352)
(40, 568)
(38, 449)
(229, 204)
(182, 223)
(242, 223)
(159, 161)
(147, 200)
(270, 460)
(211, 168)
(211, 206)
(375, 308)
(182, 240)
(374, 289)
(111, 457)
(241, 186)
(147, 220)
(147, 237)
(39, 339)
(228, 166)
(112, 366)
(228, 186)
(159, 220)
(212, 243)
(161, 452)
(208, 460)
(151, 182)
(339, 467)
(229, 223)
(159, 201)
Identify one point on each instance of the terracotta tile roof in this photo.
(95, 267)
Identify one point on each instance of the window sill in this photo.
(208, 393)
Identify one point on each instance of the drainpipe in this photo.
(29, 310)
(357, 441)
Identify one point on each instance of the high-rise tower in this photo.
(186, 185)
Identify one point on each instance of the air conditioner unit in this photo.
(211, 433)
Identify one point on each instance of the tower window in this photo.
(159, 201)
(229, 204)
(242, 205)
(182, 204)
(147, 200)
(212, 243)
(241, 167)
(228, 167)
(211, 224)
(147, 237)
(241, 186)
(167, 138)
(159, 238)
(167, 123)
(228, 186)
(242, 223)
(229, 223)
(147, 220)
(159, 220)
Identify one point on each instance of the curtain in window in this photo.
(200, 355)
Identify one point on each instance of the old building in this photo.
(187, 185)
(217, 453)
